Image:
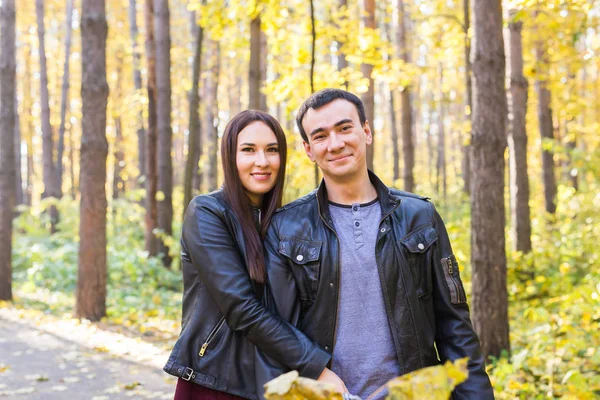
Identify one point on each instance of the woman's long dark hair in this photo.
(236, 196)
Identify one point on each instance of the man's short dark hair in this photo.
(326, 96)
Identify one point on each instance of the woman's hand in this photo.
(331, 377)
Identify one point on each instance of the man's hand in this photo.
(331, 377)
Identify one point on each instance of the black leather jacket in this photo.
(222, 318)
(424, 297)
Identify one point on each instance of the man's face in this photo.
(336, 140)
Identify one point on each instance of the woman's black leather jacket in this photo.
(223, 320)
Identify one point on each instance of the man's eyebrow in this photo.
(341, 122)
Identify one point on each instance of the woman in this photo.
(224, 321)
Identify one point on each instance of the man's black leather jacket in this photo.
(424, 297)
(222, 318)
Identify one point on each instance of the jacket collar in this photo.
(387, 200)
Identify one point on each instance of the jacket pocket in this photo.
(452, 275)
(417, 245)
(211, 337)
(303, 257)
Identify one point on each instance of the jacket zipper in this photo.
(338, 282)
(211, 336)
(454, 282)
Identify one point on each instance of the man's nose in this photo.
(335, 142)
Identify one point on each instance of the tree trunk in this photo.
(72, 163)
(394, 127)
(441, 160)
(8, 75)
(28, 115)
(91, 280)
(151, 135)
(212, 111)
(165, 134)
(368, 98)
(466, 161)
(488, 257)
(19, 199)
(255, 78)
(194, 135)
(49, 176)
(342, 62)
(64, 98)
(544, 112)
(313, 48)
(137, 81)
(119, 161)
(517, 143)
(408, 148)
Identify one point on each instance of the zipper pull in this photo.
(203, 349)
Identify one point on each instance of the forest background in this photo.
(112, 112)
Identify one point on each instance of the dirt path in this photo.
(43, 357)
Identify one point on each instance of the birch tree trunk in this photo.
(466, 161)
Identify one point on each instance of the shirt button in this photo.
(326, 347)
(331, 284)
(357, 224)
(299, 257)
(421, 246)
(355, 208)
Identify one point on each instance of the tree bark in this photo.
(64, 98)
(466, 161)
(255, 77)
(441, 160)
(544, 111)
(119, 161)
(313, 48)
(394, 127)
(49, 176)
(194, 135)
(91, 280)
(212, 111)
(165, 134)
(137, 81)
(27, 114)
(19, 198)
(342, 62)
(151, 135)
(8, 75)
(408, 148)
(517, 143)
(368, 98)
(488, 257)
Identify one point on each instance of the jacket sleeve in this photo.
(215, 254)
(455, 337)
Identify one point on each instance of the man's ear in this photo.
(308, 151)
(369, 134)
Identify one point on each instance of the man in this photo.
(366, 271)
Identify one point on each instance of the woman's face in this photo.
(257, 160)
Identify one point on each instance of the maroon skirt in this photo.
(190, 391)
